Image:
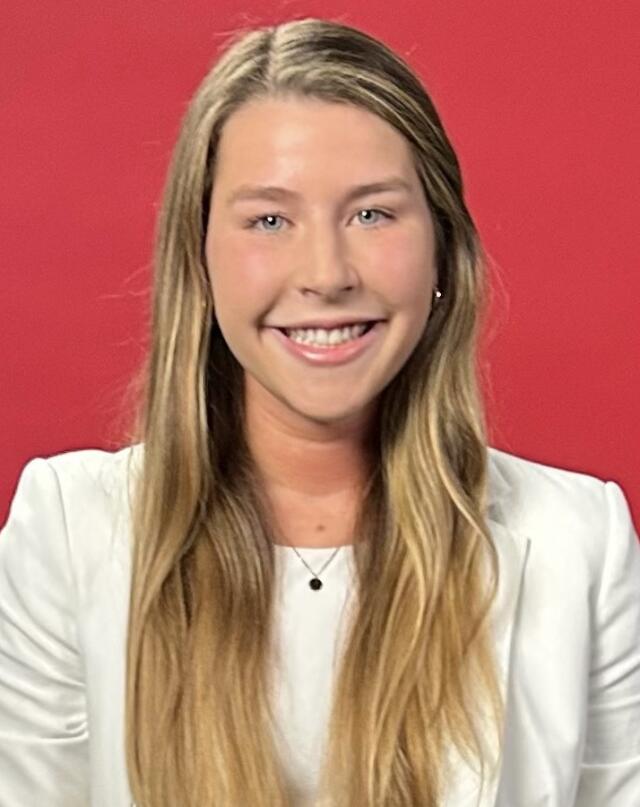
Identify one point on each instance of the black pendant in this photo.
(315, 583)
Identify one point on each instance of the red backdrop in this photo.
(540, 100)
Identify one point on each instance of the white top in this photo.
(566, 623)
(310, 634)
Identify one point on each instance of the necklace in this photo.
(315, 584)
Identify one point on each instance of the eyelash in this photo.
(251, 223)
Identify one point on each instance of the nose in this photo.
(324, 266)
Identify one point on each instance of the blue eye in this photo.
(273, 217)
(257, 219)
(375, 210)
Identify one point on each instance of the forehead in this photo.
(307, 137)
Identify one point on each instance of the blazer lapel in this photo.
(463, 782)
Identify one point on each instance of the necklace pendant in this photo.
(315, 583)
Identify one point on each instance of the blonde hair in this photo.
(417, 669)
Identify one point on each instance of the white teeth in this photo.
(322, 337)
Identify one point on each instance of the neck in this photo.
(298, 456)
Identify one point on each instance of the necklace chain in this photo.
(331, 557)
(315, 584)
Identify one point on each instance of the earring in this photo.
(437, 293)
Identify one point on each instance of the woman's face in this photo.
(294, 242)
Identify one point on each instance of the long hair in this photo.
(417, 673)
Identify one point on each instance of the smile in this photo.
(323, 337)
(322, 347)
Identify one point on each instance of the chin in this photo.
(328, 414)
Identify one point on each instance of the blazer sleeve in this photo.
(610, 770)
(43, 722)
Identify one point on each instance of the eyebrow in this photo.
(275, 193)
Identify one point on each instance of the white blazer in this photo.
(567, 630)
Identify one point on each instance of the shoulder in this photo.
(567, 514)
(534, 492)
(90, 483)
(93, 470)
(72, 507)
(75, 479)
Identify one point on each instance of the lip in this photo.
(331, 355)
(328, 324)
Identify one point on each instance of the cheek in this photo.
(243, 276)
(404, 271)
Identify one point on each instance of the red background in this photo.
(540, 100)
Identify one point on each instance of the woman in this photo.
(308, 580)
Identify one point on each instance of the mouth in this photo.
(329, 337)
(319, 347)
